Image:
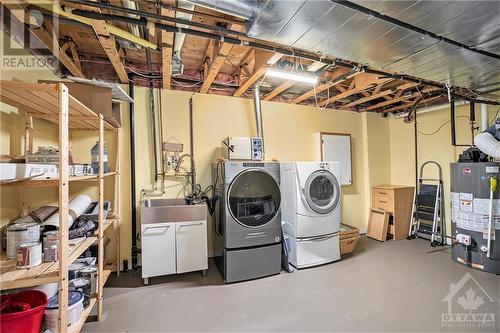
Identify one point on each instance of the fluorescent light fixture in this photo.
(291, 76)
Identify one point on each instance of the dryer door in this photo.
(322, 192)
(253, 198)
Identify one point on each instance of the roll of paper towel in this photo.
(76, 207)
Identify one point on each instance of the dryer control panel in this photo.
(243, 148)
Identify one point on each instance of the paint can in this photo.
(91, 273)
(50, 246)
(29, 255)
(82, 285)
(73, 270)
(21, 233)
(75, 310)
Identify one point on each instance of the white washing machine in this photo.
(311, 211)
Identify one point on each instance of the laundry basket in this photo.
(348, 238)
(22, 312)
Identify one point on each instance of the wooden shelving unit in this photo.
(54, 103)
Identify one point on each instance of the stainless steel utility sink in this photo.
(171, 210)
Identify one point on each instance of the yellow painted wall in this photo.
(436, 147)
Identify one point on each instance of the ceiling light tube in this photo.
(291, 76)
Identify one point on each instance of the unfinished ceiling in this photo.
(351, 31)
(368, 55)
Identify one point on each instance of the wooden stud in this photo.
(100, 228)
(118, 199)
(63, 206)
(74, 54)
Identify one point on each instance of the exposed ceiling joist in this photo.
(379, 94)
(388, 102)
(262, 60)
(217, 61)
(340, 77)
(351, 91)
(167, 43)
(414, 103)
(109, 45)
(43, 35)
(278, 90)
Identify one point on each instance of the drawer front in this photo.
(383, 199)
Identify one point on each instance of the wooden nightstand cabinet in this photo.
(398, 201)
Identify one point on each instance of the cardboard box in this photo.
(98, 99)
(11, 171)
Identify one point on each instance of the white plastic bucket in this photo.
(75, 310)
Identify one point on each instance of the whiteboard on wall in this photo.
(337, 147)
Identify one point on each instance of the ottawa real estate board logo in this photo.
(469, 305)
(40, 34)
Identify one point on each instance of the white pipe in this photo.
(488, 144)
(484, 117)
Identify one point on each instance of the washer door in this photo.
(322, 191)
(253, 198)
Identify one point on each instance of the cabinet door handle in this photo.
(382, 192)
(190, 225)
(382, 201)
(158, 227)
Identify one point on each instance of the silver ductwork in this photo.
(488, 141)
(258, 115)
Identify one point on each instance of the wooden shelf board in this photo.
(55, 181)
(11, 277)
(41, 100)
(78, 327)
(105, 274)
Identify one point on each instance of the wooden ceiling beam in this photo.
(389, 102)
(108, 43)
(217, 61)
(279, 90)
(167, 44)
(379, 94)
(414, 103)
(44, 36)
(339, 79)
(351, 91)
(262, 60)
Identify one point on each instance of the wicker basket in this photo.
(348, 238)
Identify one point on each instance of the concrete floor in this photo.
(391, 286)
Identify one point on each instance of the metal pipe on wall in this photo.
(132, 177)
(191, 146)
(258, 115)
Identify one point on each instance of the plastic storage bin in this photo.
(22, 312)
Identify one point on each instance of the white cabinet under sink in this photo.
(173, 247)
